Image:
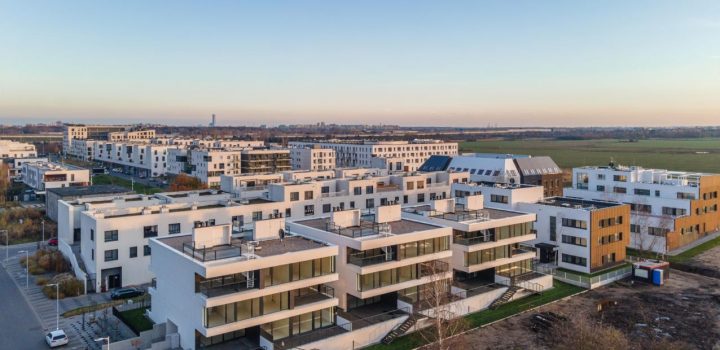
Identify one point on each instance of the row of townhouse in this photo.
(670, 209)
(120, 259)
(390, 155)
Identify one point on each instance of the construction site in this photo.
(684, 313)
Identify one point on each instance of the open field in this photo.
(106, 179)
(675, 154)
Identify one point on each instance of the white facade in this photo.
(657, 198)
(203, 274)
(44, 175)
(312, 158)
(500, 195)
(393, 155)
(12, 149)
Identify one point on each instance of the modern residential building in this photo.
(490, 247)
(580, 235)
(135, 158)
(14, 150)
(247, 293)
(74, 132)
(263, 161)
(503, 168)
(54, 195)
(132, 220)
(500, 195)
(45, 175)
(131, 135)
(390, 155)
(383, 257)
(312, 158)
(670, 209)
(15, 165)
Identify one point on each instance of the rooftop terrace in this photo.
(369, 228)
(577, 203)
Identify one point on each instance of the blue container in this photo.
(657, 277)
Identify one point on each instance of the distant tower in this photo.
(212, 123)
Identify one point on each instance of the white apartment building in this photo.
(500, 195)
(43, 175)
(670, 209)
(13, 149)
(312, 158)
(74, 132)
(132, 221)
(15, 165)
(213, 288)
(135, 158)
(390, 155)
(580, 235)
(490, 248)
(131, 135)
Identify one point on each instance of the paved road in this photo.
(19, 326)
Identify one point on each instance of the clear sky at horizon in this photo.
(454, 63)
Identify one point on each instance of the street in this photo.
(19, 326)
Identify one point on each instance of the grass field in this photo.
(560, 290)
(680, 154)
(105, 179)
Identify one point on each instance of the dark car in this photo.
(53, 242)
(124, 293)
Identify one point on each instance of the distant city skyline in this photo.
(410, 63)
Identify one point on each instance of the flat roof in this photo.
(577, 203)
(401, 226)
(263, 248)
(460, 212)
(80, 191)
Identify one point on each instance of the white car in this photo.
(56, 338)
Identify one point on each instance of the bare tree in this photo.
(434, 301)
(578, 332)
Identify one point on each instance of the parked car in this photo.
(56, 338)
(53, 242)
(117, 170)
(124, 293)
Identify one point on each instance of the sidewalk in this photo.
(100, 323)
(692, 245)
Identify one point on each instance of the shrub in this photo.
(41, 281)
(69, 286)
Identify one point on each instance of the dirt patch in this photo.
(685, 310)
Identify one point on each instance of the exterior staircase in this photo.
(505, 297)
(400, 330)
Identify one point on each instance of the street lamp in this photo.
(57, 304)
(103, 339)
(27, 267)
(43, 232)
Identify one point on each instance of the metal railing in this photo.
(474, 240)
(359, 259)
(365, 228)
(582, 280)
(463, 215)
(226, 285)
(314, 294)
(212, 253)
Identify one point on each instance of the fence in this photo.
(67, 251)
(118, 312)
(583, 281)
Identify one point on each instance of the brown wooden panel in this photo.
(598, 250)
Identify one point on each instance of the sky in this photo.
(413, 63)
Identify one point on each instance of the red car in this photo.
(52, 242)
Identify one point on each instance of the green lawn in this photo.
(105, 179)
(692, 252)
(136, 319)
(675, 154)
(484, 317)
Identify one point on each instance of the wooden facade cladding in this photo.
(699, 220)
(597, 249)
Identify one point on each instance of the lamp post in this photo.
(104, 339)
(43, 232)
(57, 304)
(27, 267)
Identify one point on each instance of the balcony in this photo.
(474, 240)
(463, 215)
(226, 285)
(212, 253)
(313, 294)
(360, 259)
